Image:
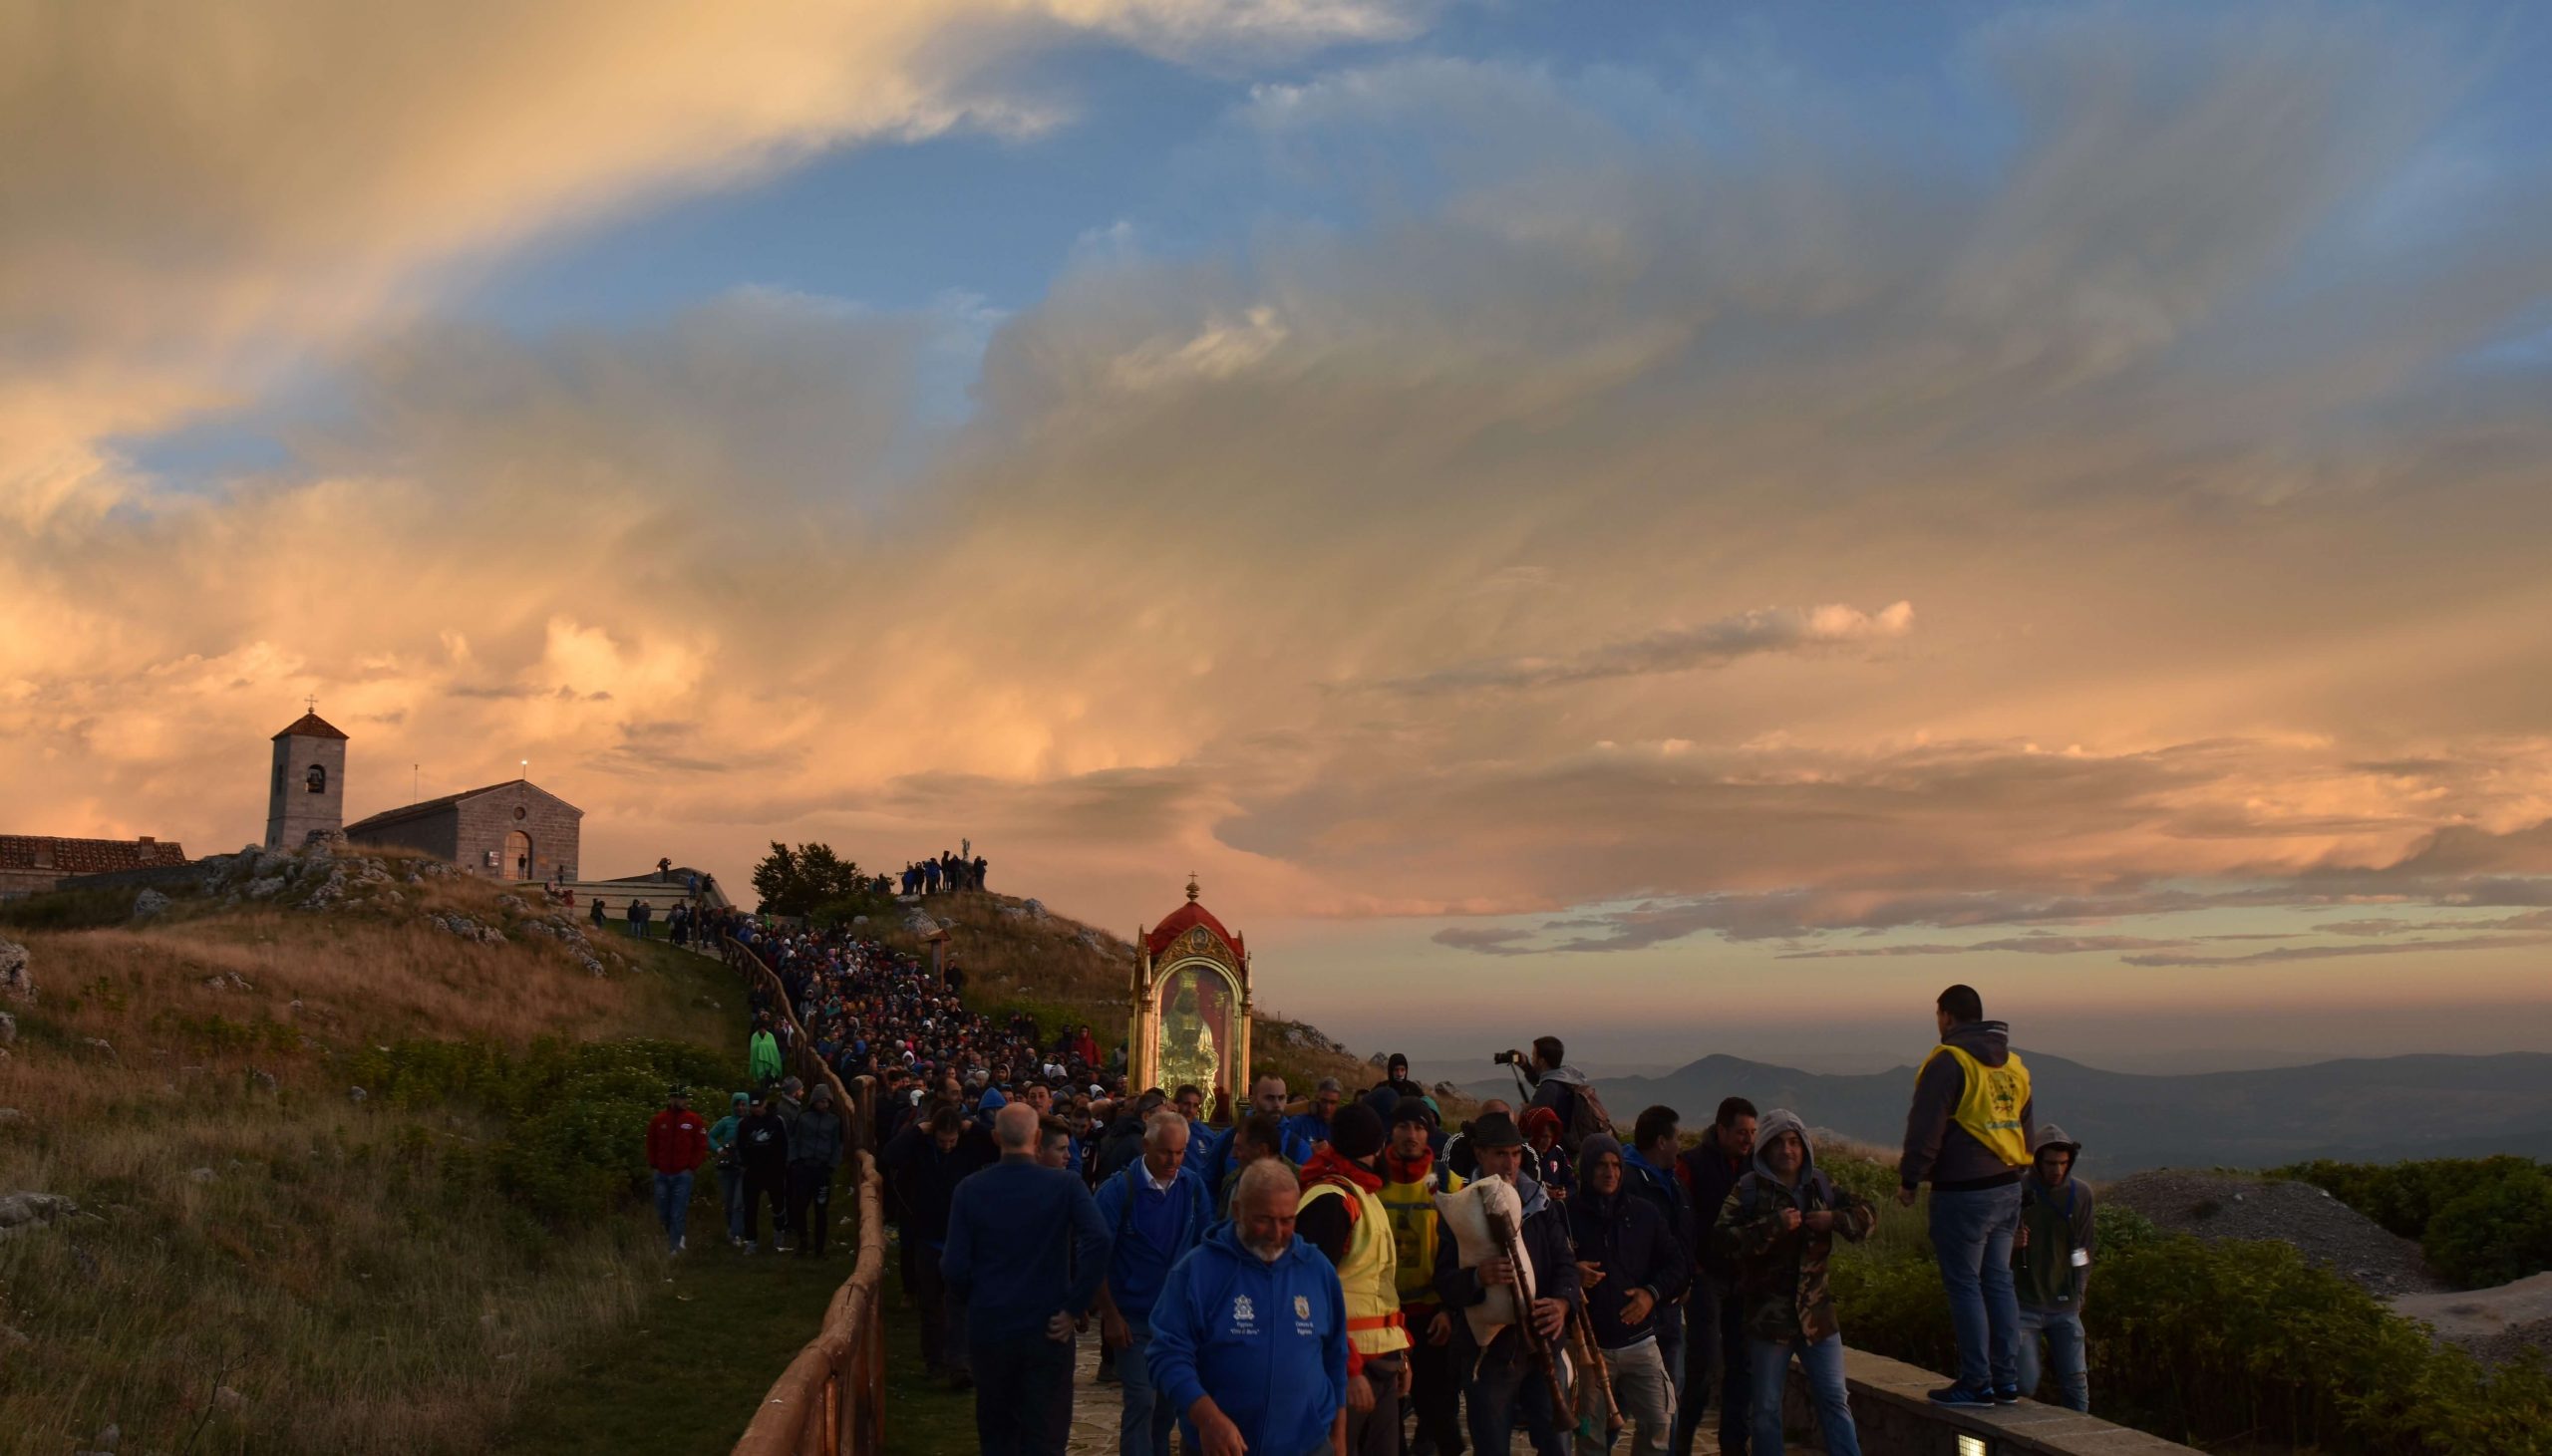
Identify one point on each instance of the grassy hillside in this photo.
(1019, 956)
(261, 1256)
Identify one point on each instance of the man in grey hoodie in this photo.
(2052, 1267)
(1968, 1134)
(815, 1151)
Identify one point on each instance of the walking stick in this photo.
(1599, 1383)
(1510, 1243)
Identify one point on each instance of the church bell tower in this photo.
(308, 793)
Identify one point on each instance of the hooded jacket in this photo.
(1267, 1340)
(1623, 1234)
(1937, 1149)
(1780, 1273)
(1558, 1089)
(2057, 1219)
(762, 1062)
(816, 1137)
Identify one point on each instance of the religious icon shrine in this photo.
(1190, 1024)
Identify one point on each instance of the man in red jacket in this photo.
(677, 1144)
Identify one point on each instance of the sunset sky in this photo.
(1688, 525)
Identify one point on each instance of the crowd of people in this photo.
(1302, 1278)
(962, 870)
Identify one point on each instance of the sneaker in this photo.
(1963, 1397)
(681, 1244)
(2007, 1396)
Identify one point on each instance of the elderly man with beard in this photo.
(1249, 1332)
(1503, 1379)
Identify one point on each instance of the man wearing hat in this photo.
(1504, 1378)
(677, 1144)
(1412, 1177)
(1340, 1215)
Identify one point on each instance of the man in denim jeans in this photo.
(1969, 1137)
(2051, 1265)
(1777, 1231)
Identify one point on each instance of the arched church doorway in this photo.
(517, 859)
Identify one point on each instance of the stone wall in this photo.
(292, 811)
(555, 828)
(433, 835)
(1894, 1417)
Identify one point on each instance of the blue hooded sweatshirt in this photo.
(1267, 1340)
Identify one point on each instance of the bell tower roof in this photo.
(310, 725)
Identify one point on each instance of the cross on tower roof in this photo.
(1191, 887)
(311, 701)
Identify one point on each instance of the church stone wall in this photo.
(486, 821)
(436, 835)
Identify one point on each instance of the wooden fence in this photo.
(831, 1399)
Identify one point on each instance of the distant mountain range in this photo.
(2370, 1109)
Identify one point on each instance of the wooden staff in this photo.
(1510, 1243)
(1600, 1373)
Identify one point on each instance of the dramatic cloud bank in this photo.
(1520, 528)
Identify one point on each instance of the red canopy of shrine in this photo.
(1180, 920)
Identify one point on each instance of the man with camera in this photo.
(1563, 1090)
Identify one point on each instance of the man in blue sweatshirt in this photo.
(1156, 1210)
(1249, 1332)
(1026, 1252)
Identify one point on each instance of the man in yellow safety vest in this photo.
(1968, 1135)
(1412, 1177)
(1342, 1214)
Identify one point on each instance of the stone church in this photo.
(516, 830)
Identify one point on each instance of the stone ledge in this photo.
(1895, 1418)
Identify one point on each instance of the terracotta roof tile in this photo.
(86, 856)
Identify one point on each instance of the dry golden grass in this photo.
(345, 1269)
(1050, 969)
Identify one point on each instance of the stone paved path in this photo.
(1096, 1407)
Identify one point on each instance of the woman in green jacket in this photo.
(763, 1058)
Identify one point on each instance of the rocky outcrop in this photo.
(17, 978)
(27, 1210)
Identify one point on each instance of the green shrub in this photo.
(2479, 1221)
(574, 1114)
(2228, 1341)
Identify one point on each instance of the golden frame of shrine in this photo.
(1191, 1004)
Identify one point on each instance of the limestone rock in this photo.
(264, 887)
(8, 1029)
(9, 1115)
(226, 1400)
(228, 981)
(355, 1094)
(201, 1175)
(266, 1080)
(103, 1047)
(27, 1208)
(17, 978)
(1036, 909)
(149, 903)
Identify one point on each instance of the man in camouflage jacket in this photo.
(1777, 1229)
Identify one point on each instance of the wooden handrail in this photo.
(831, 1399)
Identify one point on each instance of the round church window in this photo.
(522, 813)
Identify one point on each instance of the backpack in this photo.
(1586, 1118)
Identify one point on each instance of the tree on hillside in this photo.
(796, 881)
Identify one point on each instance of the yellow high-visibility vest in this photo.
(1990, 1108)
(1367, 1276)
(1413, 1212)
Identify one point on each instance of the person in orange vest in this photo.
(1342, 1214)
(1968, 1135)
